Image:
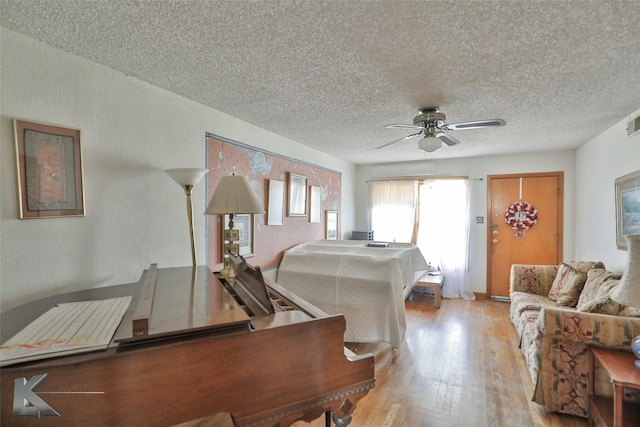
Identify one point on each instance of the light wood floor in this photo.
(459, 365)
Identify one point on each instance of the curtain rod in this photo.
(422, 177)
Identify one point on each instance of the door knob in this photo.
(494, 241)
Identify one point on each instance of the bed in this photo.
(368, 285)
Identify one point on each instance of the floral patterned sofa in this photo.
(558, 311)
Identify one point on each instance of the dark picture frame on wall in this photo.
(627, 189)
(297, 195)
(49, 166)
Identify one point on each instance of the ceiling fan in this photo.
(431, 123)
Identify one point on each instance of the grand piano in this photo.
(191, 345)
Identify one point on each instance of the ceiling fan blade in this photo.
(476, 124)
(403, 126)
(447, 139)
(397, 140)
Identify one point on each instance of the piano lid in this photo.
(186, 300)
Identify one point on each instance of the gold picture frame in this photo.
(315, 204)
(275, 212)
(627, 189)
(49, 167)
(332, 225)
(297, 205)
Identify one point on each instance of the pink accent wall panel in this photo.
(225, 157)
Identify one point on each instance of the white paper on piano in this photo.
(67, 328)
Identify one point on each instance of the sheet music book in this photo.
(68, 328)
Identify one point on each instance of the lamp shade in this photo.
(628, 290)
(186, 176)
(233, 195)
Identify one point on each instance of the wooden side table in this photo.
(435, 282)
(621, 370)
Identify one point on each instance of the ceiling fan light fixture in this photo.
(431, 123)
(429, 143)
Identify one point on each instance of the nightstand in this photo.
(620, 368)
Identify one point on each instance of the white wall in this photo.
(479, 167)
(600, 161)
(131, 132)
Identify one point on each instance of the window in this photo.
(442, 221)
(440, 227)
(443, 231)
(392, 206)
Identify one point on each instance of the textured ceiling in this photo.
(332, 74)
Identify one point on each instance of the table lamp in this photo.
(233, 195)
(187, 178)
(628, 290)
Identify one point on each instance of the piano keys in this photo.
(204, 351)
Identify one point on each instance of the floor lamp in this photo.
(232, 196)
(187, 178)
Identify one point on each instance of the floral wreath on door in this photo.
(521, 216)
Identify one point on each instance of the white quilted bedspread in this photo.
(364, 284)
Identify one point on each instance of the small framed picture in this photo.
(331, 225)
(315, 208)
(49, 161)
(275, 213)
(297, 195)
(627, 189)
(241, 235)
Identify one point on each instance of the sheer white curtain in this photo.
(392, 206)
(443, 232)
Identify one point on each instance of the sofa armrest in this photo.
(589, 328)
(560, 360)
(534, 279)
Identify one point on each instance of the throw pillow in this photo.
(567, 285)
(608, 285)
(595, 278)
(628, 311)
(585, 266)
(601, 305)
